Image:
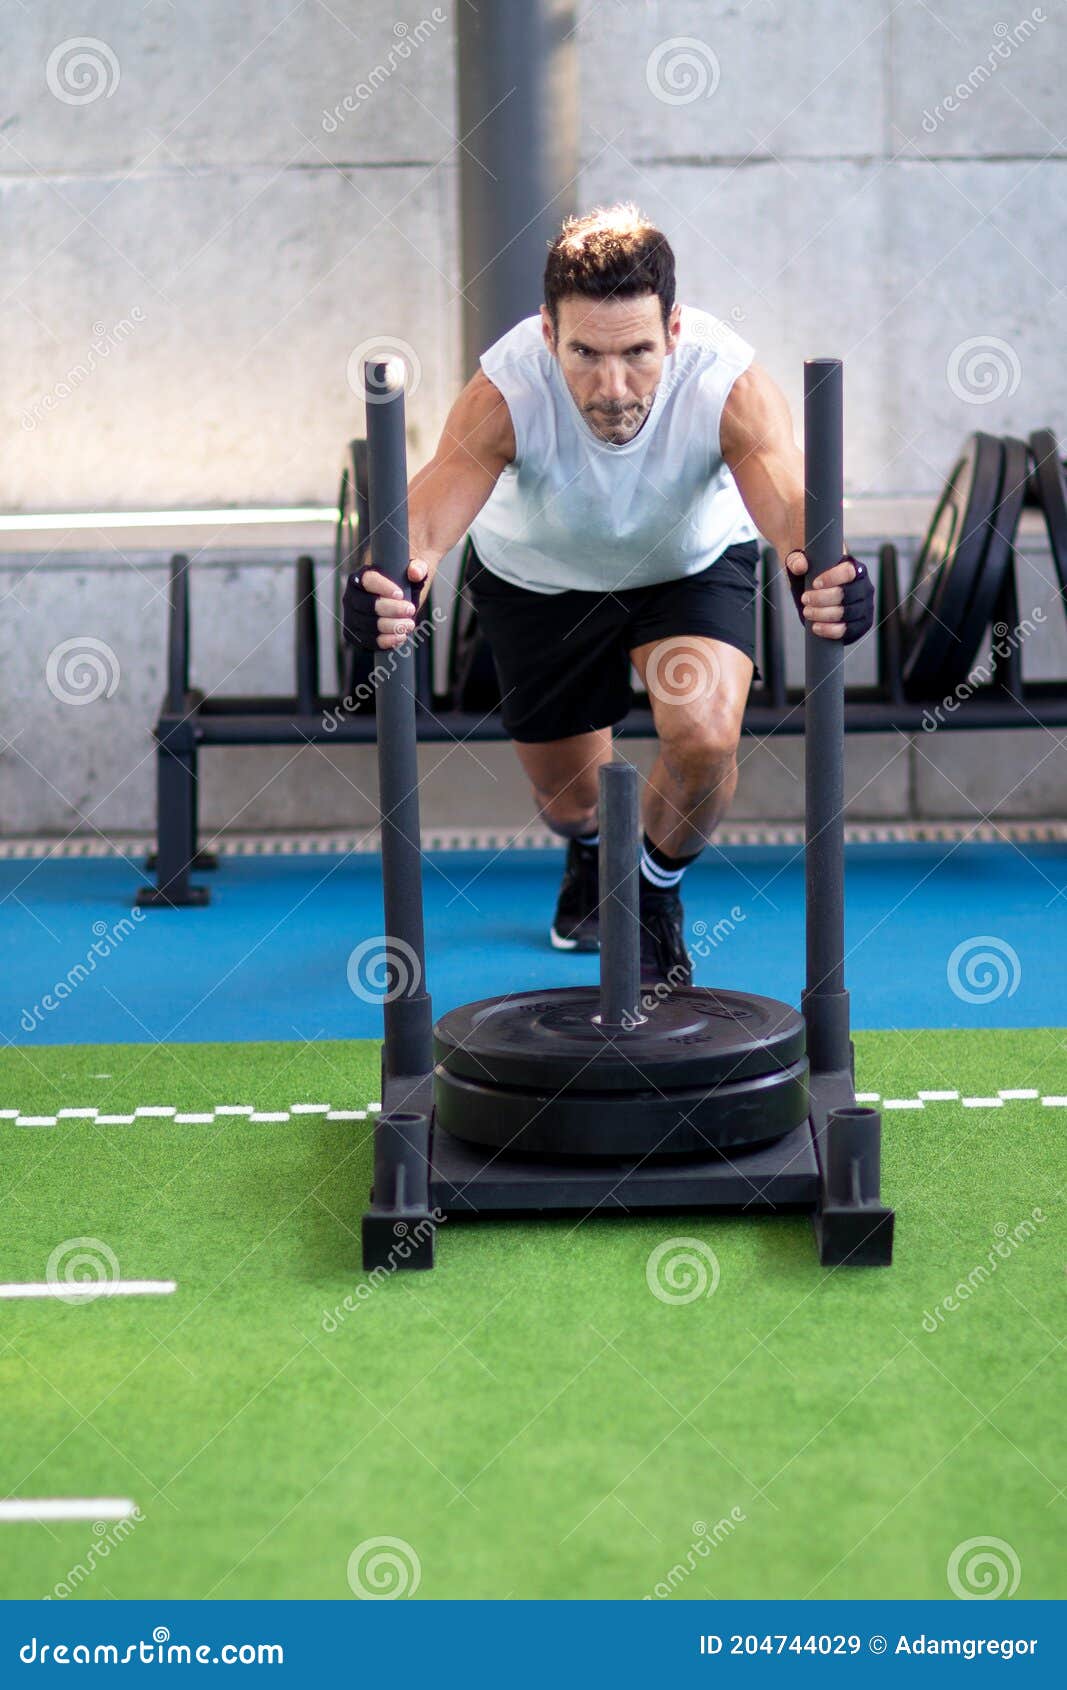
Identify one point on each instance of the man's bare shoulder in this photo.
(481, 422)
(756, 409)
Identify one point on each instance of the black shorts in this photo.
(563, 659)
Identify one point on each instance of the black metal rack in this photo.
(190, 719)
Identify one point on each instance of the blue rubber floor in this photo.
(937, 936)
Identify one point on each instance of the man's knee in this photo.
(701, 753)
(570, 810)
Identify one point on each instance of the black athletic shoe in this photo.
(664, 958)
(577, 921)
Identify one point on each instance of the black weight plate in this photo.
(350, 546)
(1051, 484)
(550, 1040)
(948, 567)
(690, 1121)
(1003, 527)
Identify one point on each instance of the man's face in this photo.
(611, 354)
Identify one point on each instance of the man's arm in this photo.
(476, 445)
(757, 442)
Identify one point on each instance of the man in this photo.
(612, 463)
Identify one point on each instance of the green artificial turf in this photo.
(529, 1418)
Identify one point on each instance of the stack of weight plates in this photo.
(536, 1075)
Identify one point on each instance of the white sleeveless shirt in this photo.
(574, 511)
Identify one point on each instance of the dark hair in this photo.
(613, 252)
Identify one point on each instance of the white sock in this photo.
(663, 879)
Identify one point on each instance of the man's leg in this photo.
(564, 774)
(697, 688)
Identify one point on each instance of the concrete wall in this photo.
(200, 235)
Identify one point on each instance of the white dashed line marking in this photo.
(309, 1108)
(68, 1508)
(982, 1102)
(194, 1120)
(156, 1109)
(268, 1115)
(903, 1103)
(35, 1120)
(115, 1120)
(1014, 1094)
(68, 1290)
(939, 1096)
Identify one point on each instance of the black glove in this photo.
(857, 600)
(359, 624)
